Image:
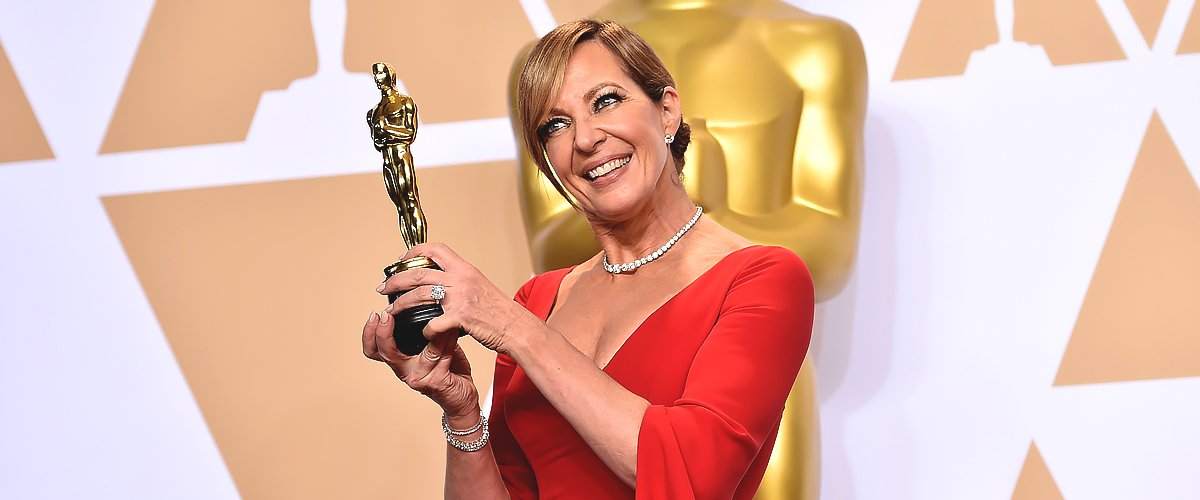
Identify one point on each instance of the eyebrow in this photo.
(587, 96)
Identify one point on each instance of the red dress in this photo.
(716, 363)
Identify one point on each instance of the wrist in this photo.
(470, 439)
(464, 419)
(521, 334)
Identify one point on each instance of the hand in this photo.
(441, 371)
(472, 303)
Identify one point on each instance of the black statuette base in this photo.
(410, 323)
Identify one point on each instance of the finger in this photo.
(370, 349)
(431, 356)
(458, 361)
(444, 324)
(447, 346)
(417, 296)
(410, 279)
(386, 344)
(436, 349)
(440, 253)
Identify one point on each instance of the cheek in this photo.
(653, 149)
(648, 137)
(560, 160)
(560, 166)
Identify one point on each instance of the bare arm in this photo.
(441, 371)
(605, 414)
(771, 298)
(471, 475)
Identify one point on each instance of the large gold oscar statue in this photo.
(776, 98)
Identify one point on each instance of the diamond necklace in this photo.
(629, 266)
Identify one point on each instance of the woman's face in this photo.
(604, 136)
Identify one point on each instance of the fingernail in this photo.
(380, 289)
(383, 318)
(373, 317)
(388, 309)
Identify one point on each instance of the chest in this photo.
(392, 111)
(648, 350)
(653, 363)
(599, 320)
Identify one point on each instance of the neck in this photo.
(668, 210)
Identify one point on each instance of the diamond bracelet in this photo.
(452, 434)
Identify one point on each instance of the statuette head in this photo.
(385, 77)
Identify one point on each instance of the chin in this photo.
(616, 206)
(620, 198)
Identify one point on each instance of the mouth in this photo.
(607, 168)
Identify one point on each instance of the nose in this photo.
(588, 137)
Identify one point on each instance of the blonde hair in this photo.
(542, 77)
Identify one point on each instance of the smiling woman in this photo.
(596, 49)
(603, 128)
(657, 368)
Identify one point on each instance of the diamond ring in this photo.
(438, 293)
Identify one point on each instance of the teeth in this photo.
(607, 167)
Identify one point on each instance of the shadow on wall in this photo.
(855, 330)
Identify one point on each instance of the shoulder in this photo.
(746, 258)
(772, 270)
(770, 291)
(538, 283)
(770, 258)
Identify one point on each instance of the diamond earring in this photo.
(669, 139)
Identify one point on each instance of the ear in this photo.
(669, 109)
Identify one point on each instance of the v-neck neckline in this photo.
(710, 271)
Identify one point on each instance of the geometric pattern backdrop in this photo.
(193, 224)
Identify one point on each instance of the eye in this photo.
(606, 100)
(552, 125)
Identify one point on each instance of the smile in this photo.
(607, 168)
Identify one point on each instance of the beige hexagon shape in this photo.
(1148, 15)
(1138, 320)
(262, 291)
(1071, 31)
(1035, 481)
(943, 36)
(1190, 43)
(201, 68)
(453, 56)
(21, 137)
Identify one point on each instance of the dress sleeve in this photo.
(514, 467)
(701, 445)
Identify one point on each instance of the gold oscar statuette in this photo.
(393, 125)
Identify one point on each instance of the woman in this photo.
(661, 365)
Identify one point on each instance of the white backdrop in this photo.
(989, 198)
